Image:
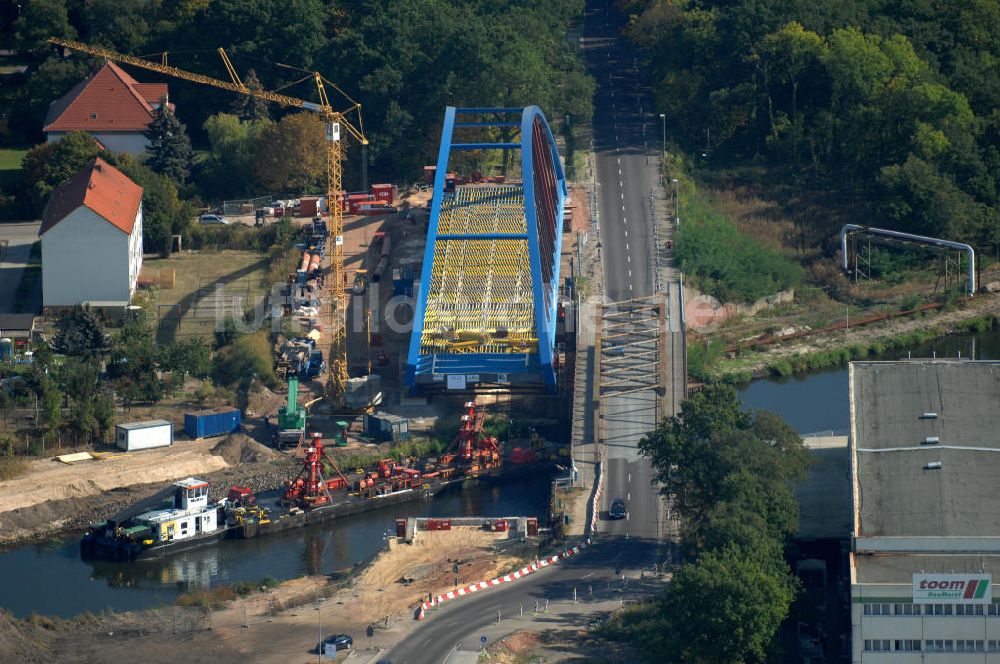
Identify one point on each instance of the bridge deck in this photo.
(480, 298)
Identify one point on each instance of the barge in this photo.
(188, 520)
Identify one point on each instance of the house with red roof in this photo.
(111, 106)
(91, 236)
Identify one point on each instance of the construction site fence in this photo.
(245, 205)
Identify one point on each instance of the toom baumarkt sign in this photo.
(952, 588)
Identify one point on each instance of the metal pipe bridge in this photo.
(487, 305)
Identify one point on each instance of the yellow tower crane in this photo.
(336, 122)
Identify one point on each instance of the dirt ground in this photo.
(52, 496)
(278, 626)
(557, 646)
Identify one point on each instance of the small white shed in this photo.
(144, 435)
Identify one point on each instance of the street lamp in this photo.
(663, 121)
(677, 204)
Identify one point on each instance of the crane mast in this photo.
(335, 122)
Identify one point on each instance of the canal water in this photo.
(51, 579)
(818, 402)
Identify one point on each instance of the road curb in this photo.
(500, 580)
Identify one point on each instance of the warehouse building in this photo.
(925, 473)
(91, 236)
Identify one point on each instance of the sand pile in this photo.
(238, 448)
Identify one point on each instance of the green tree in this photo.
(248, 107)
(163, 211)
(39, 20)
(48, 165)
(133, 364)
(712, 437)
(169, 145)
(187, 357)
(229, 167)
(80, 333)
(291, 155)
(50, 404)
(725, 608)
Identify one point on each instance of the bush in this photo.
(726, 263)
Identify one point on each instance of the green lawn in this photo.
(10, 166)
(10, 158)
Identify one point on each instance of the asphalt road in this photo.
(626, 145)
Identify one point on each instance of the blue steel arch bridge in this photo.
(487, 306)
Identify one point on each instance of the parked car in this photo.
(618, 509)
(213, 219)
(332, 644)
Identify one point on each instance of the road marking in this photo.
(628, 258)
(630, 276)
(626, 232)
(619, 173)
(587, 576)
(630, 478)
(628, 496)
(623, 196)
(626, 246)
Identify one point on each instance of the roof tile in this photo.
(110, 100)
(100, 187)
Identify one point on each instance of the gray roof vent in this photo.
(931, 440)
(933, 465)
(929, 416)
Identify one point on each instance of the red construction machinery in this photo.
(311, 488)
(472, 448)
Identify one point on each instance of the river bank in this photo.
(272, 625)
(52, 499)
(837, 347)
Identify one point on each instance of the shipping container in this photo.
(429, 173)
(308, 207)
(383, 426)
(386, 193)
(144, 435)
(215, 422)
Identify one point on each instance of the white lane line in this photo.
(628, 258)
(630, 478)
(623, 195)
(626, 246)
(628, 496)
(619, 173)
(630, 275)
(624, 219)
(626, 232)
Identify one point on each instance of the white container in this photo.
(144, 435)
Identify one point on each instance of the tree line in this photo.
(404, 61)
(729, 475)
(890, 102)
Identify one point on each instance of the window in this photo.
(878, 609)
(993, 609)
(937, 609)
(993, 646)
(968, 645)
(907, 609)
(908, 645)
(939, 645)
(878, 645)
(969, 610)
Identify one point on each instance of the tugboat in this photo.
(191, 521)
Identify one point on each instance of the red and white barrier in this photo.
(596, 507)
(506, 578)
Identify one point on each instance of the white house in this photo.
(111, 106)
(92, 239)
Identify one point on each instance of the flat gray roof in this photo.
(900, 567)
(898, 493)
(143, 425)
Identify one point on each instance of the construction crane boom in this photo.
(335, 122)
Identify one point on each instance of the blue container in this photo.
(205, 423)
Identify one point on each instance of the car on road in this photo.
(332, 644)
(212, 219)
(618, 509)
